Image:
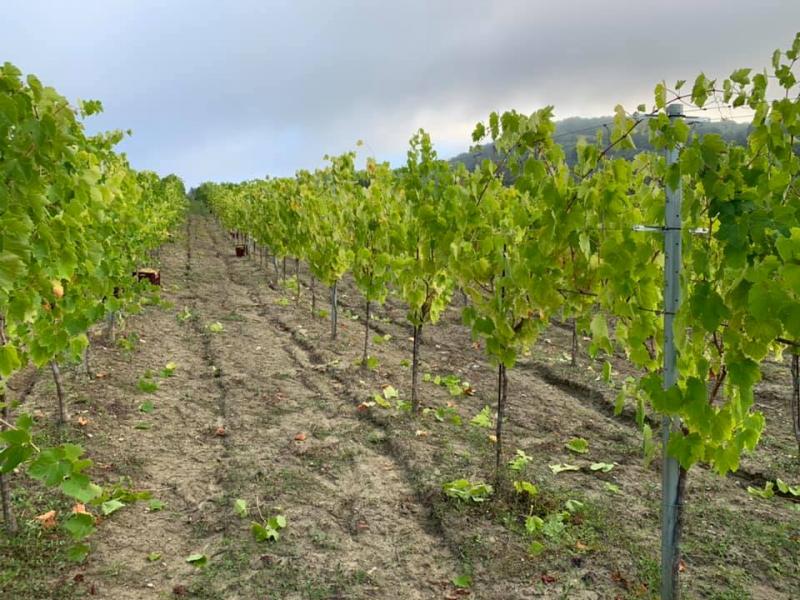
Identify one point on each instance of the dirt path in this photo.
(249, 414)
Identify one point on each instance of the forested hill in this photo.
(568, 131)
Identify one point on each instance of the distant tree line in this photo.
(569, 131)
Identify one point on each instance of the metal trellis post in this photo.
(670, 471)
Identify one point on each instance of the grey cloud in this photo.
(246, 88)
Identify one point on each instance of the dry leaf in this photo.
(100, 375)
(48, 519)
(82, 421)
(421, 433)
(681, 567)
(547, 578)
(581, 546)
(219, 431)
(80, 509)
(300, 437)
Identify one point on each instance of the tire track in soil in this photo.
(540, 373)
(354, 529)
(176, 458)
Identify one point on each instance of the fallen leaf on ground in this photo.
(220, 431)
(82, 421)
(80, 509)
(100, 375)
(300, 437)
(421, 433)
(547, 578)
(48, 519)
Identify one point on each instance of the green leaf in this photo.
(169, 369)
(483, 418)
(533, 524)
(147, 385)
(520, 461)
(606, 372)
(465, 490)
(80, 487)
(111, 506)
(601, 466)
(381, 401)
(9, 360)
(661, 95)
(765, 494)
(462, 581)
(535, 548)
(741, 76)
(197, 560)
(155, 505)
(574, 506)
(79, 525)
(278, 521)
(526, 487)
(577, 445)
(263, 533)
(707, 305)
(11, 269)
(561, 468)
(785, 488)
(153, 556)
(600, 335)
(687, 449)
(146, 407)
(240, 507)
(78, 552)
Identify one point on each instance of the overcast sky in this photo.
(243, 88)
